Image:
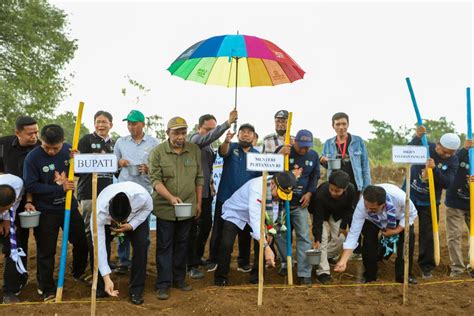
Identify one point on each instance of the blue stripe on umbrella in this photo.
(209, 47)
(233, 46)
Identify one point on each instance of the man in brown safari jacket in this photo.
(176, 175)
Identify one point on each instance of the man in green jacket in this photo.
(176, 175)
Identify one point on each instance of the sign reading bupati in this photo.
(90, 163)
(265, 162)
(410, 154)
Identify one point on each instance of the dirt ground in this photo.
(440, 295)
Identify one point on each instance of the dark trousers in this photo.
(12, 279)
(139, 240)
(172, 239)
(370, 251)
(217, 236)
(229, 233)
(425, 238)
(22, 237)
(46, 235)
(200, 230)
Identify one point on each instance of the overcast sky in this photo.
(356, 56)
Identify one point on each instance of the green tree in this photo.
(436, 128)
(154, 126)
(68, 122)
(34, 48)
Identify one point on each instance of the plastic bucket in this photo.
(183, 210)
(29, 219)
(334, 164)
(133, 170)
(313, 256)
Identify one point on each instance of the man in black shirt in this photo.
(98, 142)
(332, 210)
(13, 150)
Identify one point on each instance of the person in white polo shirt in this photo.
(380, 211)
(123, 209)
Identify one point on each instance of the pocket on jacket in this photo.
(168, 171)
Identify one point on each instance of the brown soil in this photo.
(441, 295)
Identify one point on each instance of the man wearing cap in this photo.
(304, 162)
(133, 150)
(381, 210)
(458, 212)
(273, 141)
(176, 175)
(123, 209)
(11, 192)
(244, 208)
(444, 164)
(13, 150)
(234, 176)
(208, 132)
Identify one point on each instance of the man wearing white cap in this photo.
(445, 165)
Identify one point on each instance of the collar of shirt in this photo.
(106, 139)
(169, 150)
(144, 139)
(16, 143)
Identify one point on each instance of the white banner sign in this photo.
(409, 154)
(265, 162)
(90, 163)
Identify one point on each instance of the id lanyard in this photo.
(342, 150)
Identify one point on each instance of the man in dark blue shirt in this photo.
(457, 212)
(45, 174)
(304, 162)
(234, 175)
(444, 164)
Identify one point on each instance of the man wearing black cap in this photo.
(13, 150)
(234, 176)
(273, 141)
(243, 209)
(123, 208)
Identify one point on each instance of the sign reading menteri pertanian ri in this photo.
(409, 154)
(265, 162)
(90, 163)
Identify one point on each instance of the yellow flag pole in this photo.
(262, 239)
(67, 211)
(96, 244)
(289, 264)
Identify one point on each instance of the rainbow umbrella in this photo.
(236, 61)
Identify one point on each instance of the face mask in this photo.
(281, 132)
(244, 144)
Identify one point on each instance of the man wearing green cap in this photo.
(132, 151)
(176, 175)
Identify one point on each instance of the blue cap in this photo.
(304, 138)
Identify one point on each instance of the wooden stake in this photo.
(262, 239)
(96, 246)
(406, 244)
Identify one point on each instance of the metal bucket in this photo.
(133, 170)
(334, 164)
(29, 219)
(183, 210)
(313, 256)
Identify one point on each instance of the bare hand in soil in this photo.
(109, 286)
(340, 267)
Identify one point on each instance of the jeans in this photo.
(299, 220)
(172, 240)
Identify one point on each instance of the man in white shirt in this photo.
(11, 191)
(244, 208)
(123, 209)
(382, 209)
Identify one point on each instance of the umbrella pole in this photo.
(471, 184)
(236, 84)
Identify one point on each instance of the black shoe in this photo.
(220, 283)
(211, 266)
(194, 273)
(411, 280)
(163, 294)
(324, 278)
(246, 268)
(183, 287)
(332, 261)
(306, 281)
(426, 274)
(10, 299)
(136, 299)
(122, 269)
(283, 271)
